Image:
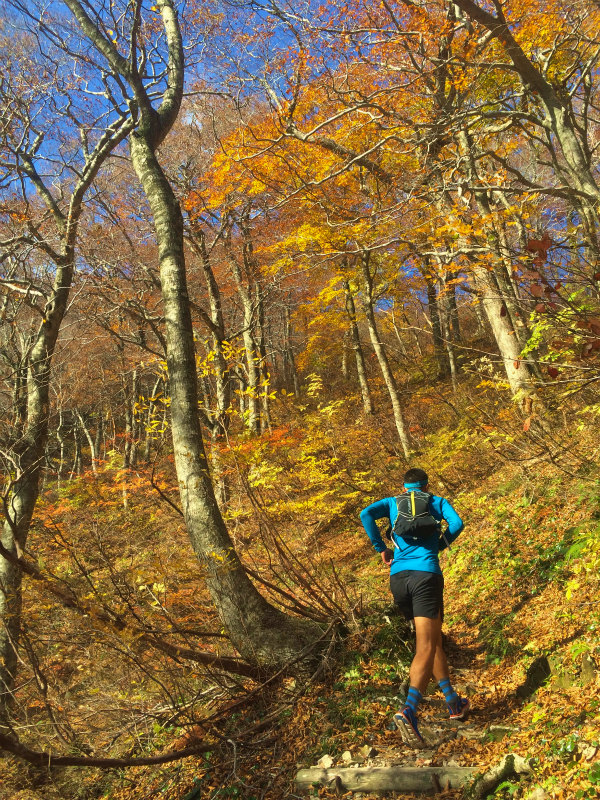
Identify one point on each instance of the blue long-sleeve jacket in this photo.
(422, 556)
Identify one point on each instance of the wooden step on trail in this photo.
(385, 779)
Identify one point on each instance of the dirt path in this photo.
(478, 742)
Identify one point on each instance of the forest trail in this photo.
(451, 746)
(517, 582)
(521, 621)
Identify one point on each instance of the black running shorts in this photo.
(418, 594)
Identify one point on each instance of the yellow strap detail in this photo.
(412, 503)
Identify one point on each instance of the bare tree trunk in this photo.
(344, 360)
(250, 349)
(150, 418)
(135, 426)
(399, 339)
(439, 347)
(415, 336)
(494, 300)
(263, 365)
(128, 432)
(90, 441)
(253, 384)
(479, 315)
(445, 306)
(76, 467)
(263, 634)
(450, 290)
(19, 503)
(99, 442)
(358, 352)
(22, 497)
(130, 394)
(61, 443)
(216, 324)
(242, 397)
(220, 417)
(382, 358)
(517, 371)
(288, 353)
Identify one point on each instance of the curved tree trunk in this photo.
(29, 459)
(262, 634)
(29, 450)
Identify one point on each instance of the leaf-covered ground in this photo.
(521, 584)
(522, 589)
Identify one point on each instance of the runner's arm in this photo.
(368, 516)
(455, 524)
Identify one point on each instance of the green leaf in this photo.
(594, 774)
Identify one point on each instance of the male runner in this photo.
(417, 585)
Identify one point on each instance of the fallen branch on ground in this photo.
(106, 618)
(45, 759)
(386, 779)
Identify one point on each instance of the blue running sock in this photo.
(449, 693)
(413, 698)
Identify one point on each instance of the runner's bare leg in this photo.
(429, 657)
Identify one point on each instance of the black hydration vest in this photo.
(414, 521)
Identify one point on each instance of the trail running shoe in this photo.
(406, 722)
(459, 709)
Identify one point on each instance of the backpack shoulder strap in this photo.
(420, 503)
(399, 500)
(411, 496)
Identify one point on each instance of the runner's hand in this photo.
(387, 556)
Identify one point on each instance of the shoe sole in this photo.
(463, 714)
(408, 733)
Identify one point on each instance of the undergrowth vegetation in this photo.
(522, 585)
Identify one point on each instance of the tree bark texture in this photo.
(494, 295)
(250, 347)
(427, 780)
(262, 634)
(29, 457)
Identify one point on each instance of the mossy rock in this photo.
(589, 668)
(564, 678)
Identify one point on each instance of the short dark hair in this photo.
(416, 475)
